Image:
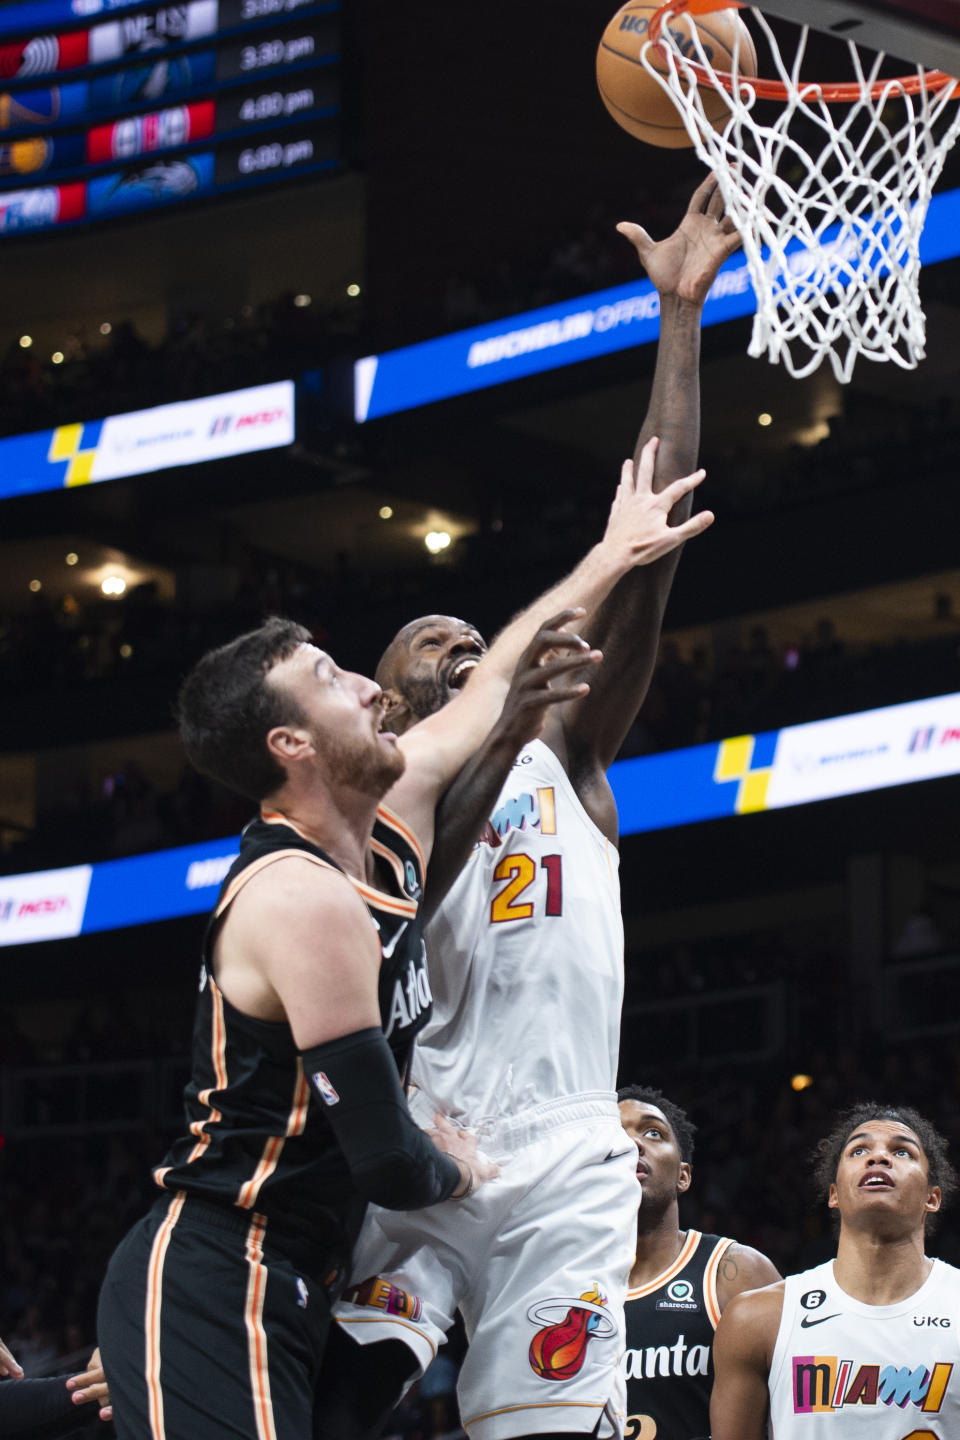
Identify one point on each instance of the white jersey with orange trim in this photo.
(885, 1372)
(526, 958)
(526, 968)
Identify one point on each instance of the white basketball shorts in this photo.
(537, 1262)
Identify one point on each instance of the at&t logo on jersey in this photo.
(557, 1352)
(822, 1383)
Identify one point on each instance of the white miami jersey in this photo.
(842, 1369)
(526, 957)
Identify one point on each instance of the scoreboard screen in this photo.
(120, 106)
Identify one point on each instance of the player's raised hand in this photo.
(638, 523)
(462, 1146)
(547, 674)
(686, 263)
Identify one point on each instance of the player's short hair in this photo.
(225, 708)
(679, 1121)
(828, 1152)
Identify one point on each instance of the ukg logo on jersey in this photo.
(823, 1383)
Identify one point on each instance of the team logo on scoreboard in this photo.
(558, 1350)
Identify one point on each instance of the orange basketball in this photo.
(635, 99)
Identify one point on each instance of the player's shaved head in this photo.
(424, 666)
(391, 667)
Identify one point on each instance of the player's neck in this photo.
(659, 1242)
(880, 1270)
(340, 823)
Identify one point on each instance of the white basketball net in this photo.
(831, 234)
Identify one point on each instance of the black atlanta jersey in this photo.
(257, 1139)
(668, 1361)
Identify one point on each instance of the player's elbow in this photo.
(396, 1180)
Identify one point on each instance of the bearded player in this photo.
(313, 986)
(526, 964)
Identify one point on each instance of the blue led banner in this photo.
(188, 432)
(847, 755)
(581, 329)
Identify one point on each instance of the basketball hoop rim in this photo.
(845, 92)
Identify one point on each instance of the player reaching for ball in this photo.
(526, 965)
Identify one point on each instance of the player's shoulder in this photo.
(745, 1267)
(749, 1325)
(946, 1273)
(294, 889)
(756, 1306)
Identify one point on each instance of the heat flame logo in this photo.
(557, 1351)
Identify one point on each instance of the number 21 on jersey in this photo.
(520, 871)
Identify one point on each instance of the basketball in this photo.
(636, 100)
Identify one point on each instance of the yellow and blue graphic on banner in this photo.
(75, 446)
(738, 760)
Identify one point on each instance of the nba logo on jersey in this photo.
(325, 1089)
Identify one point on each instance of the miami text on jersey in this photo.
(823, 1382)
(535, 810)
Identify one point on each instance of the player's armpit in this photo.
(742, 1353)
(299, 935)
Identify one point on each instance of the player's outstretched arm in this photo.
(637, 534)
(742, 1354)
(302, 943)
(548, 674)
(627, 625)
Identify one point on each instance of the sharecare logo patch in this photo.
(325, 1090)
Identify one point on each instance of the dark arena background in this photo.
(221, 208)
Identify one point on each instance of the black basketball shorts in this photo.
(206, 1333)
